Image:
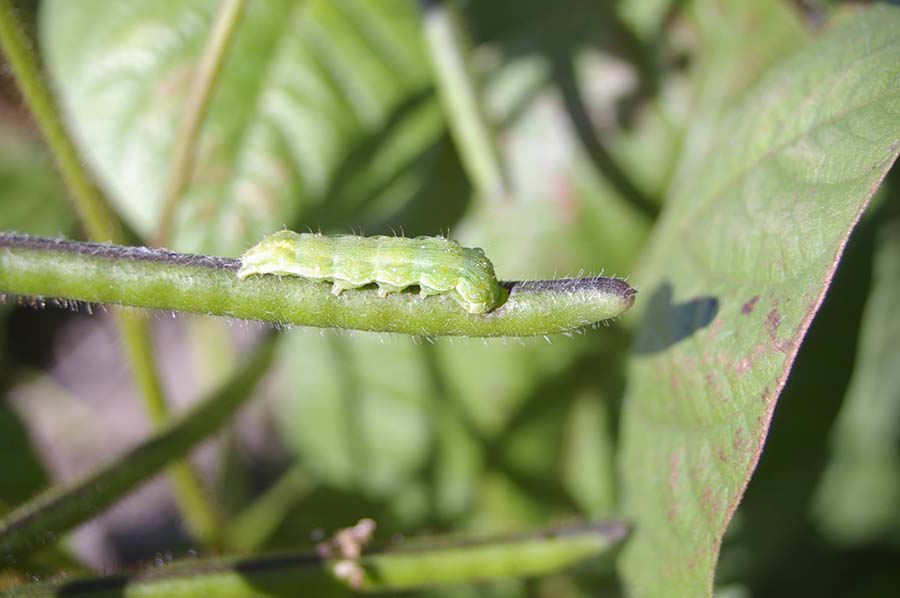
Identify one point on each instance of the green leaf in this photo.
(306, 85)
(772, 524)
(733, 276)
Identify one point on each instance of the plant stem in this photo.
(101, 225)
(43, 519)
(198, 510)
(208, 69)
(451, 58)
(160, 279)
(421, 564)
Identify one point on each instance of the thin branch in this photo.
(420, 564)
(451, 58)
(160, 279)
(199, 512)
(195, 110)
(43, 519)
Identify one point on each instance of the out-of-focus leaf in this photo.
(358, 415)
(310, 95)
(565, 218)
(780, 182)
(485, 422)
(588, 469)
(574, 78)
(374, 413)
(32, 198)
(859, 497)
(645, 18)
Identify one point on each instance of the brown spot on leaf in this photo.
(710, 381)
(745, 364)
(708, 503)
(747, 308)
(675, 382)
(672, 514)
(773, 321)
(739, 441)
(673, 471)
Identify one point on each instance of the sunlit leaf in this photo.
(309, 91)
(783, 179)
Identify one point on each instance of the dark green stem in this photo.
(426, 563)
(208, 69)
(160, 279)
(199, 511)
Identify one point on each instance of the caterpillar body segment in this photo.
(436, 265)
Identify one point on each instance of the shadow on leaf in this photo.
(667, 323)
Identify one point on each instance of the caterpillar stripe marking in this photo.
(438, 266)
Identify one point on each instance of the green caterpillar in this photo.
(437, 265)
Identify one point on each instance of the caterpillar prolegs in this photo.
(436, 265)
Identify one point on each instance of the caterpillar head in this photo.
(478, 289)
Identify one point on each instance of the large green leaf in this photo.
(751, 235)
(309, 93)
(772, 525)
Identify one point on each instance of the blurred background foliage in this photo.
(326, 117)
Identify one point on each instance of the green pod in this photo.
(436, 265)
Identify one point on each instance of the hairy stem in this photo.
(160, 279)
(427, 563)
